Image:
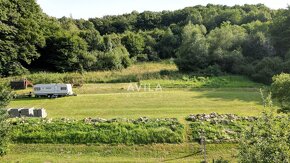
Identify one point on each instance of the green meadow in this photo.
(169, 95)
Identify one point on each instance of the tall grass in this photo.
(187, 81)
(164, 74)
(108, 132)
(135, 73)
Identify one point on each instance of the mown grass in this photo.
(168, 103)
(186, 152)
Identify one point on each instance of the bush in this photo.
(4, 132)
(114, 131)
(266, 69)
(5, 97)
(266, 140)
(280, 89)
(214, 70)
(116, 59)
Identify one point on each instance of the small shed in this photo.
(20, 84)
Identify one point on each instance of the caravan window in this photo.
(48, 88)
(37, 88)
(63, 88)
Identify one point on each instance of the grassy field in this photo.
(187, 152)
(171, 103)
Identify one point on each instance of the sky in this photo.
(97, 8)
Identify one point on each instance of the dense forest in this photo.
(250, 40)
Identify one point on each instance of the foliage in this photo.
(218, 128)
(167, 45)
(258, 46)
(5, 97)
(210, 39)
(4, 132)
(280, 89)
(66, 52)
(280, 31)
(115, 59)
(266, 68)
(134, 43)
(114, 131)
(193, 52)
(266, 140)
(216, 133)
(20, 35)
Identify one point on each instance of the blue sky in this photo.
(98, 8)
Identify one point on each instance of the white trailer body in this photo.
(53, 90)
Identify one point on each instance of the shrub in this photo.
(280, 89)
(5, 97)
(266, 140)
(266, 69)
(4, 132)
(115, 59)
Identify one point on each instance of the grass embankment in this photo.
(186, 152)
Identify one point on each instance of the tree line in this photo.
(251, 40)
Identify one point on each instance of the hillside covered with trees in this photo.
(250, 40)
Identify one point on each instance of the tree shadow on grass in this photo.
(33, 99)
(230, 94)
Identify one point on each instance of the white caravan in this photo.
(52, 90)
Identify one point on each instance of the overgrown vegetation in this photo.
(97, 131)
(218, 128)
(266, 140)
(280, 89)
(5, 97)
(192, 81)
(211, 40)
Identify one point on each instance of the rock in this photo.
(213, 115)
(192, 118)
(98, 120)
(206, 117)
(142, 119)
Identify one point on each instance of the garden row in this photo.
(113, 131)
(214, 127)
